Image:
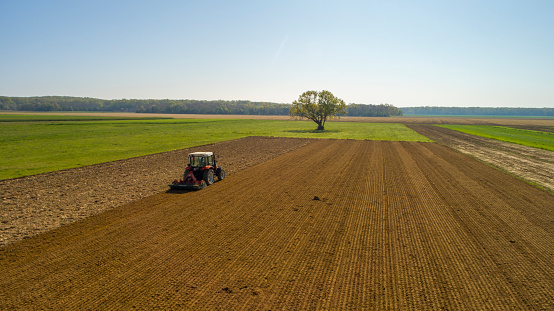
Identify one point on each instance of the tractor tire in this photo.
(220, 173)
(209, 176)
(186, 174)
(202, 185)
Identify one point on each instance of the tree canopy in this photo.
(318, 107)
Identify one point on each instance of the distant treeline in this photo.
(65, 103)
(240, 107)
(479, 111)
(383, 110)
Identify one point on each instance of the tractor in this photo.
(200, 172)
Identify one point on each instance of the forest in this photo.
(186, 106)
(242, 107)
(479, 111)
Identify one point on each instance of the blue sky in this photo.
(405, 53)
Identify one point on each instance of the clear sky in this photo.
(495, 53)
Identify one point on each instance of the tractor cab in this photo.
(198, 160)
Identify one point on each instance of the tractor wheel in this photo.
(220, 173)
(186, 174)
(209, 176)
(202, 185)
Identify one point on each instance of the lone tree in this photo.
(318, 107)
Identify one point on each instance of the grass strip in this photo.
(28, 147)
(536, 139)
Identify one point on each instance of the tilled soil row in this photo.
(532, 164)
(333, 225)
(38, 203)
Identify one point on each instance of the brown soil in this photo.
(38, 203)
(332, 225)
(532, 164)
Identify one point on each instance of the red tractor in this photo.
(200, 172)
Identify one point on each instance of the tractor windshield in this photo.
(197, 161)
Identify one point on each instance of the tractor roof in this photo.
(201, 154)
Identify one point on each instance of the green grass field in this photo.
(31, 145)
(536, 139)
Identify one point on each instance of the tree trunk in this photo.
(320, 127)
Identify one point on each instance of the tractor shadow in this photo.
(181, 191)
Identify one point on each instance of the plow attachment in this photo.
(188, 185)
(190, 182)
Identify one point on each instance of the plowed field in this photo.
(532, 164)
(35, 204)
(332, 225)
